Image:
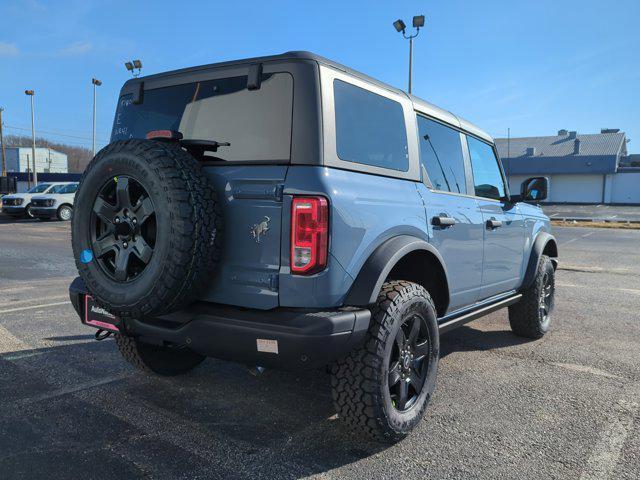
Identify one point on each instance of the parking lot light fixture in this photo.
(31, 94)
(134, 65)
(399, 25)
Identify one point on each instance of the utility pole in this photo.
(4, 161)
(31, 93)
(96, 83)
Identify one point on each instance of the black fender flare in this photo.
(539, 245)
(375, 270)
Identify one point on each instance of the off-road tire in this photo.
(61, 215)
(149, 358)
(525, 316)
(359, 381)
(187, 214)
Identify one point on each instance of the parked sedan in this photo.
(56, 204)
(19, 204)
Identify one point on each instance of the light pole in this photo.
(31, 93)
(96, 83)
(4, 162)
(418, 21)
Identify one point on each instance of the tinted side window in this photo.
(441, 156)
(487, 178)
(370, 128)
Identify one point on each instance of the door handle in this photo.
(443, 221)
(492, 224)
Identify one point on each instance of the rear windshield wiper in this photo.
(194, 146)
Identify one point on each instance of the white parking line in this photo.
(604, 456)
(15, 303)
(34, 307)
(77, 388)
(588, 234)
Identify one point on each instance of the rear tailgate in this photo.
(251, 203)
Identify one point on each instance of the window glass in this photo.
(487, 178)
(370, 128)
(257, 123)
(441, 156)
(39, 188)
(71, 188)
(56, 188)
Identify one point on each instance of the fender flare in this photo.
(539, 245)
(375, 270)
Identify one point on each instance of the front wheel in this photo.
(384, 387)
(531, 316)
(158, 359)
(28, 213)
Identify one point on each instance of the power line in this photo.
(49, 132)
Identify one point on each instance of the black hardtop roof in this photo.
(299, 55)
(304, 56)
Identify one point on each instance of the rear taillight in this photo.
(309, 234)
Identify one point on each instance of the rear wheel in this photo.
(64, 213)
(531, 316)
(384, 387)
(158, 359)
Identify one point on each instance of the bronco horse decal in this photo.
(260, 229)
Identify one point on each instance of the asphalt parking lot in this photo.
(562, 407)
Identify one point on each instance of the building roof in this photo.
(567, 152)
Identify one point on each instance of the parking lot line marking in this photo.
(586, 369)
(18, 302)
(587, 234)
(77, 388)
(9, 343)
(33, 307)
(569, 241)
(604, 457)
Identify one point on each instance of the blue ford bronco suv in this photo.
(289, 212)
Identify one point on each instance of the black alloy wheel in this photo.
(123, 228)
(409, 362)
(545, 306)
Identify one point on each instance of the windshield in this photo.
(39, 188)
(71, 188)
(257, 123)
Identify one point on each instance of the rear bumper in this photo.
(290, 339)
(44, 212)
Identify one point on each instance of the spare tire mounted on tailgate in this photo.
(145, 230)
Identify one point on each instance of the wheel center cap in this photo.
(124, 229)
(406, 362)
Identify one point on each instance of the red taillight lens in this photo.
(309, 234)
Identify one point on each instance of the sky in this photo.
(533, 67)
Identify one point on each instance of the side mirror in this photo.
(535, 189)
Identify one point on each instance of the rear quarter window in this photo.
(370, 128)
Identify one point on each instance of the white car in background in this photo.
(19, 204)
(56, 203)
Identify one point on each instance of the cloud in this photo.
(78, 48)
(8, 49)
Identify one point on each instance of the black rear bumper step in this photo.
(301, 338)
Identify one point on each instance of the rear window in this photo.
(370, 128)
(257, 123)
